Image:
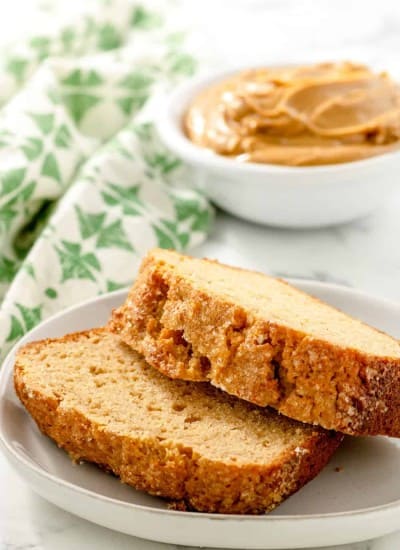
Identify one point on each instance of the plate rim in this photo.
(6, 372)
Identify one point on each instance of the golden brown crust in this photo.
(188, 333)
(168, 469)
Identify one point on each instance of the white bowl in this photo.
(285, 196)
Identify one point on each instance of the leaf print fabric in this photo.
(86, 187)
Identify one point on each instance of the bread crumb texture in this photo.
(262, 340)
(188, 442)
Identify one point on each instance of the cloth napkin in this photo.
(86, 188)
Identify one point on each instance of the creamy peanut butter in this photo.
(298, 116)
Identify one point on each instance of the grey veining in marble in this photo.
(364, 254)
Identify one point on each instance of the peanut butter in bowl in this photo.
(329, 113)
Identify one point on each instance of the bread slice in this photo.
(260, 339)
(190, 443)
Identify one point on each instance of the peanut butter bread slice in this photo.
(260, 339)
(191, 443)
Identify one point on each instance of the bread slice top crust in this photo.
(268, 298)
(262, 340)
(102, 402)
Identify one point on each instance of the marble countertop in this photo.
(364, 254)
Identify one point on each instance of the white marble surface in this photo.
(364, 254)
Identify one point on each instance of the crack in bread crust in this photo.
(305, 378)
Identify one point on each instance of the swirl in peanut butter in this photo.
(298, 116)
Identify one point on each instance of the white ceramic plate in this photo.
(359, 502)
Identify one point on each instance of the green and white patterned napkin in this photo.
(85, 186)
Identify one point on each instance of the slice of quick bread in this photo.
(191, 443)
(260, 339)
